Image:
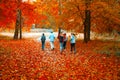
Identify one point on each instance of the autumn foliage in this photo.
(105, 15)
(24, 60)
(9, 9)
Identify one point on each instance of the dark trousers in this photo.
(43, 45)
(73, 47)
(64, 44)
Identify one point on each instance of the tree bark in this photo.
(87, 25)
(16, 30)
(60, 12)
(16, 26)
(85, 32)
(20, 14)
(87, 22)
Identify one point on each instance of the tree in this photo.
(106, 15)
(9, 9)
(87, 26)
(18, 27)
(15, 11)
(100, 16)
(87, 22)
(60, 12)
(103, 16)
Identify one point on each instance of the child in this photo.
(72, 42)
(64, 40)
(43, 38)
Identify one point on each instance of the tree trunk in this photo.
(20, 14)
(85, 32)
(60, 12)
(87, 26)
(16, 26)
(16, 30)
(89, 23)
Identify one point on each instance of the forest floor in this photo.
(24, 60)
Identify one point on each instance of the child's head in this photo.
(64, 33)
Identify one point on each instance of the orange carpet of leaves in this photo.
(24, 60)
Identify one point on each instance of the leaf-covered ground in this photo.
(24, 60)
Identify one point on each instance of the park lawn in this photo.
(24, 60)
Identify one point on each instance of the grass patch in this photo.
(108, 47)
(99, 46)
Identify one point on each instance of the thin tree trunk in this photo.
(16, 30)
(20, 14)
(60, 12)
(87, 22)
(85, 32)
(16, 26)
(18, 22)
(87, 26)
